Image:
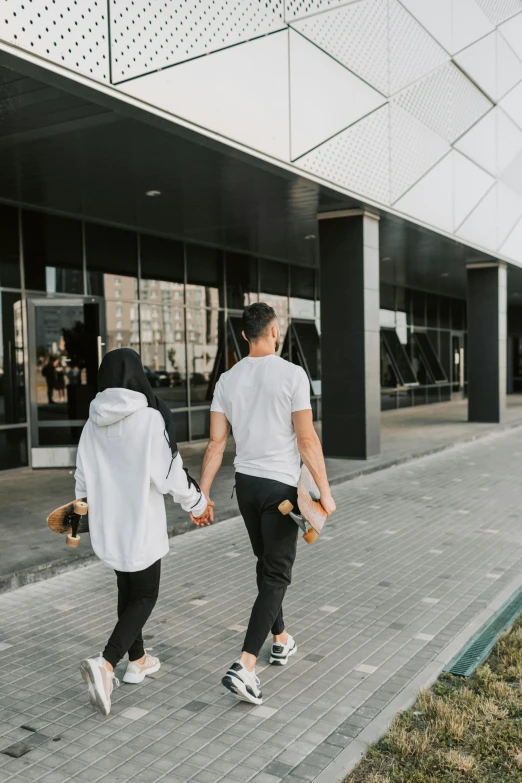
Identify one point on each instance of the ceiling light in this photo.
(310, 236)
(388, 258)
(153, 193)
(445, 274)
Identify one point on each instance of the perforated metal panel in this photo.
(296, 9)
(413, 52)
(355, 35)
(72, 33)
(357, 158)
(446, 101)
(414, 148)
(498, 11)
(147, 36)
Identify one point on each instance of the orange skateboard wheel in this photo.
(72, 541)
(285, 507)
(310, 536)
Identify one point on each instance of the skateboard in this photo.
(71, 520)
(309, 507)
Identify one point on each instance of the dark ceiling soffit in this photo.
(51, 131)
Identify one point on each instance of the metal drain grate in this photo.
(481, 644)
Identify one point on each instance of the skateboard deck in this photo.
(70, 520)
(310, 509)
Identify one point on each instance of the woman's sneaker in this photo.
(243, 683)
(100, 682)
(281, 652)
(136, 672)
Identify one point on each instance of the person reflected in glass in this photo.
(59, 380)
(49, 373)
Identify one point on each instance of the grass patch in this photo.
(459, 730)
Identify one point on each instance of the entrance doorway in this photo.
(66, 337)
(458, 378)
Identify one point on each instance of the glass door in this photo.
(65, 349)
(457, 362)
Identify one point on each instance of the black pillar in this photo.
(487, 330)
(350, 337)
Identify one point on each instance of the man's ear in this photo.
(243, 335)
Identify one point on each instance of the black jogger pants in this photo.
(274, 541)
(137, 596)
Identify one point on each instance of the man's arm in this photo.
(311, 453)
(219, 430)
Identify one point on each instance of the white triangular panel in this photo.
(512, 247)
(357, 36)
(498, 11)
(469, 24)
(509, 141)
(431, 199)
(435, 17)
(414, 149)
(296, 9)
(471, 183)
(479, 61)
(480, 142)
(481, 226)
(512, 176)
(357, 159)
(512, 32)
(512, 104)
(509, 67)
(509, 211)
(240, 93)
(325, 97)
(413, 52)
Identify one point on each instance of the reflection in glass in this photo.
(123, 325)
(12, 381)
(13, 448)
(205, 352)
(52, 253)
(163, 351)
(112, 254)
(204, 277)
(9, 250)
(280, 305)
(242, 282)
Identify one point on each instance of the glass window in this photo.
(52, 253)
(200, 423)
(307, 351)
(418, 307)
(162, 270)
(432, 310)
(12, 379)
(9, 249)
(122, 325)
(204, 277)
(163, 352)
(444, 312)
(111, 256)
(205, 353)
(241, 274)
(302, 289)
(458, 314)
(274, 278)
(387, 296)
(13, 448)
(181, 425)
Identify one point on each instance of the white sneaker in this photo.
(100, 682)
(243, 683)
(136, 672)
(280, 653)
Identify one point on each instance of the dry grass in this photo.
(463, 730)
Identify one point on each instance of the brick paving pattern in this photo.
(414, 553)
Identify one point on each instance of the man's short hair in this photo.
(257, 318)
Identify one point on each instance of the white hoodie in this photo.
(124, 468)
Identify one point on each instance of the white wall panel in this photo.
(480, 142)
(357, 36)
(72, 34)
(481, 226)
(509, 67)
(498, 11)
(509, 141)
(471, 183)
(146, 36)
(413, 51)
(512, 247)
(431, 199)
(512, 176)
(512, 104)
(325, 97)
(512, 32)
(296, 9)
(414, 148)
(446, 101)
(469, 24)
(357, 159)
(479, 61)
(241, 93)
(435, 17)
(509, 211)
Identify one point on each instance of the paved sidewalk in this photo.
(414, 554)
(29, 551)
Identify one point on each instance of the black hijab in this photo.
(122, 369)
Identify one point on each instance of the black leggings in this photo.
(137, 596)
(274, 541)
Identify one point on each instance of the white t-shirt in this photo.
(258, 396)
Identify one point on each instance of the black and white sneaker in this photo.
(281, 652)
(243, 683)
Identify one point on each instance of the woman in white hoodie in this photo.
(127, 461)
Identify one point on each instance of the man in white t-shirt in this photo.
(266, 401)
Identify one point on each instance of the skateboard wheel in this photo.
(80, 507)
(72, 541)
(310, 536)
(285, 507)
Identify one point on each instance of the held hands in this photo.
(328, 503)
(207, 517)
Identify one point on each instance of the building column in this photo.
(350, 335)
(487, 343)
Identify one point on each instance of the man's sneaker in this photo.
(100, 682)
(280, 653)
(136, 672)
(243, 683)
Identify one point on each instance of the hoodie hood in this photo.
(113, 405)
